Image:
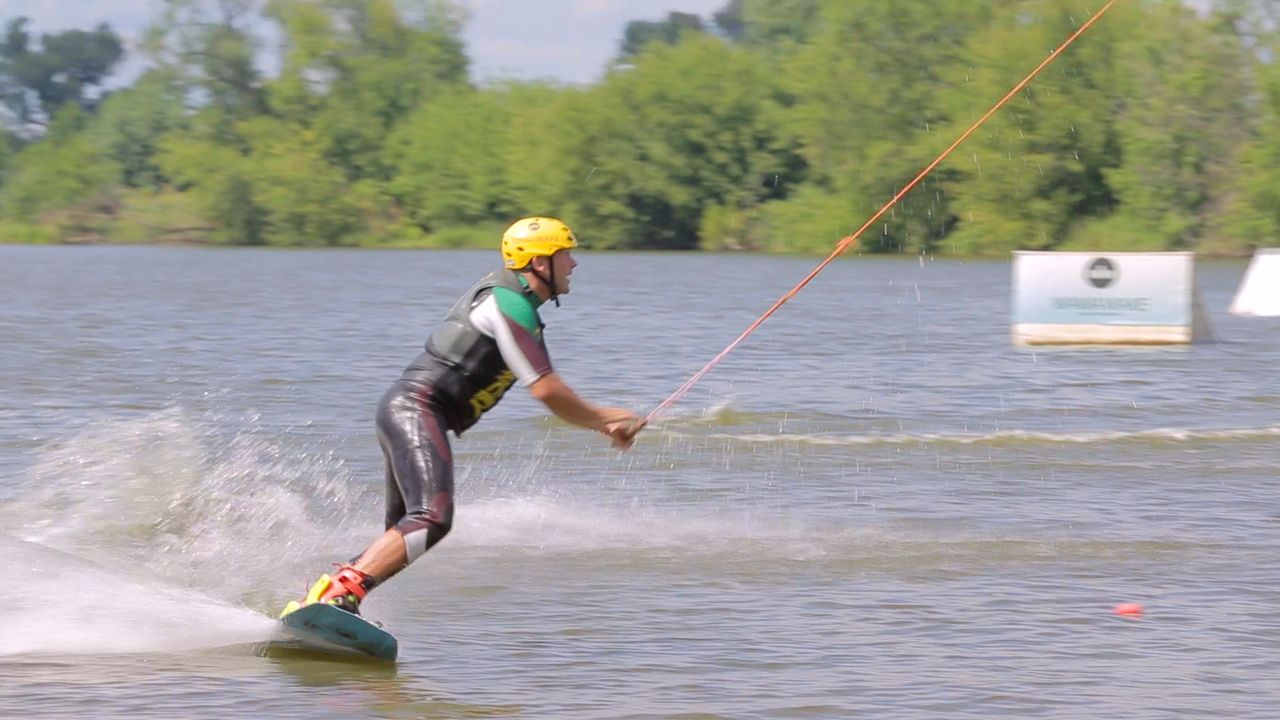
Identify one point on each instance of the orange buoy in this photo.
(1128, 609)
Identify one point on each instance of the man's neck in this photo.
(536, 286)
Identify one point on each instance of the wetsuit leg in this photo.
(412, 434)
(395, 502)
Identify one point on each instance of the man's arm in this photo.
(619, 424)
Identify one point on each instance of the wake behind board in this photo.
(326, 628)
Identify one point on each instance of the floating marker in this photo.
(1129, 609)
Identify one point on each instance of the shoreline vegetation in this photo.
(489, 244)
(772, 126)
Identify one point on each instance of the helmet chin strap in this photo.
(550, 283)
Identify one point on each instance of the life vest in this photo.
(463, 366)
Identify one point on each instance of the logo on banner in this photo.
(1101, 273)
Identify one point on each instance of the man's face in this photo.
(562, 263)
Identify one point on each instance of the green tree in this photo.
(450, 160)
(131, 124)
(305, 197)
(222, 182)
(1039, 165)
(356, 68)
(1252, 214)
(688, 128)
(1182, 115)
(729, 20)
(776, 124)
(62, 170)
(864, 100)
(639, 33)
(67, 67)
(8, 147)
(281, 191)
(211, 52)
(771, 25)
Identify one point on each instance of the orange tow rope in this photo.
(852, 240)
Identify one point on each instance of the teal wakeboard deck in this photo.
(326, 628)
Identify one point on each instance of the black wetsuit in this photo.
(491, 339)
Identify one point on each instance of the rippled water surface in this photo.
(876, 507)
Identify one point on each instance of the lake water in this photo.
(876, 507)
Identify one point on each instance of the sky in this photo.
(570, 41)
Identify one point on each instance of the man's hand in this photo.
(621, 426)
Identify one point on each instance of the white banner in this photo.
(1086, 297)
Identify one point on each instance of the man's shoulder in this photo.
(516, 306)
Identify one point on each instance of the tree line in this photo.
(775, 125)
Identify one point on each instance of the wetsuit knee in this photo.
(422, 528)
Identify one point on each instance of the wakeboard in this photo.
(328, 629)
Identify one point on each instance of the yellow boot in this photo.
(313, 595)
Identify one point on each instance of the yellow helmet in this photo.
(533, 237)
